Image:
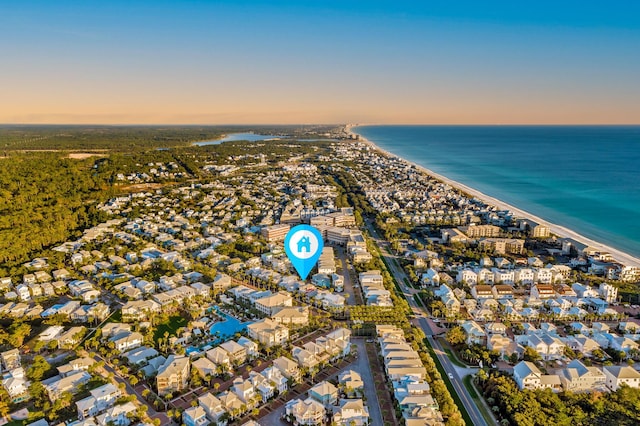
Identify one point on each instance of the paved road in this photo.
(449, 367)
(455, 376)
(349, 291)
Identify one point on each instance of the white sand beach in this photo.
(560, 231)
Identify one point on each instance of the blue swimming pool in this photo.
(226, 329)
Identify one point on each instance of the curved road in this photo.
(399, 274)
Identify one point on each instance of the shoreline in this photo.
(561, 231)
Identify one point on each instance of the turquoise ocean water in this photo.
(586, 178)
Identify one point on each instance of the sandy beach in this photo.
(558, 230)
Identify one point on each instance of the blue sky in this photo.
(333, 61)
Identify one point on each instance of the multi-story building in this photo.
(173, 375)
(275, 233)
(268, 332)
(486, 231)
(502, 245)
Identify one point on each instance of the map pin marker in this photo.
(303, 245)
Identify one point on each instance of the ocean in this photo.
(585, 178)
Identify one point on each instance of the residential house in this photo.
(71, 337)
(140, 310)
(616, 376)
(205, 367)
(582, 344)
(221, 282)
(525, 276)
(502, 344)
(288, 368)
(212, 406)
(296, 315)
(263, 386)
(482, 291)
(549, 347)
(305, 358)
(118, 415)
(275, 376)
(577, 377)
(237, 353)
(71, 383)
(111, 329)
(269, 305)
(16, 385)
(127, 340)
(308, 412)
(76, 365)
(101, 399)
(351, 383)
(502, 291)
(10, 359)
(245, 391)
(351, 412)
(528, 376)
(474, 333)
(325, 393)
(231, 403)
(219, 357)
(195, 416)
(249, 346)
(495, 328)
(23, 292)
(542, 291)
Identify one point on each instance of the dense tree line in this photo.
(544, 407)
(125, 138)
(44, 199)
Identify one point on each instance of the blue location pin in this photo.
(303, 245)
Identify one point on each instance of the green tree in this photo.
(38, 369)
(530, 354)
(456, 336)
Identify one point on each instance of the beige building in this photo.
(275, 233)
(173, 375)
(268, 332)
(269, 305)
(477, 231)
(502, 245)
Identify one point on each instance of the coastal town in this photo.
(182, 307)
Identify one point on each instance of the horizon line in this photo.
(317, 124)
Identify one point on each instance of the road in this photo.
(400, 276)
(349, 290)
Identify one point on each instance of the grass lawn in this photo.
(453, 357)
(447, 382)
(116, 316)
(477, 399)
(174, 323)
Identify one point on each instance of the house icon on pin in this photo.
(304, 244)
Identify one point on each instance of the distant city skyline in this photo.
(277, 62)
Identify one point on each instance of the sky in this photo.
(254, 62)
